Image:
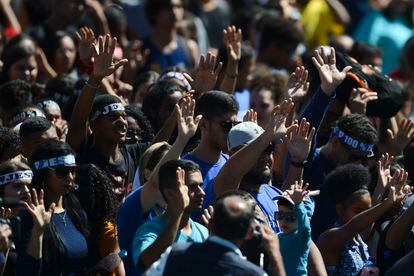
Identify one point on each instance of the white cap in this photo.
(243, 134)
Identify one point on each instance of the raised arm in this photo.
(232, 39)
(241, 162)
(103, 67)
(178, 201)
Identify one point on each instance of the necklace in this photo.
(63, 217)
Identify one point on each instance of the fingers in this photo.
(120, 63)
(218, 68)
(34, 197)
(314, 193)
(52, 208)
(390, 134)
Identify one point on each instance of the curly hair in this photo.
(273, 82)
(96, 196)
(358, 127)
(9, 139)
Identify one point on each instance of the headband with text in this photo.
(15, 176)
(108, 109)
(352, 142)
(67, 160)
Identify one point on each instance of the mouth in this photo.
(121, 130)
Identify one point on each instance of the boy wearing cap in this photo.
(295, 235)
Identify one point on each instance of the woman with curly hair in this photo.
(97, 197)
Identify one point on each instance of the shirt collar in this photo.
(226, 243)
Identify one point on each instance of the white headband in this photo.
(22, 116)
(48, 104)
(14, 176)
(107, 109)
(67, 160)
(177, 75)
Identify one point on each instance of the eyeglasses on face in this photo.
(227, 125)
(63, 171)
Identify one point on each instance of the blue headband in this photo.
(107, 109)
(352, 142)
(15, 176)
(67, 160)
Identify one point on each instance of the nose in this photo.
(72, 176)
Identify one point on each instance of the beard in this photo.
(258, 177)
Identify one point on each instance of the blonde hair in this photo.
(151, 157)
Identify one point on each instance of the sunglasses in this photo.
(63, 171)
(288, 217)
(227, 125)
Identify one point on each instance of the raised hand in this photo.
(206, 73)
(403, 137)
(187, 124)
(36, 207)
(276, 126)
(330, 76)
(359, 99)
(207, 215)
(86, 39)
(179, 196)
(398, 183)
(297, 86)
(250, 116)
(232, 40)
(298, 191)
(103, 53)
(384, 170)
(299, 141)
(5, 212)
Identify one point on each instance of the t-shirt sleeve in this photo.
(144, 237)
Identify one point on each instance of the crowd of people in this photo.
(206, 137)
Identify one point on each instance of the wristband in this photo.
(298, 164)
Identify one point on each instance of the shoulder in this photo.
(201, 229)
(271, 189)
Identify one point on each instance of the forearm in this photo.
(294, 174)
(240, 163)
(315, 110)
(79, 120)
(339, 11)
(400, 229)
(10, 17)
(164, 240)
(34, 248)
(303, 221)
(276, 263)
(228, 84)
(316, 265)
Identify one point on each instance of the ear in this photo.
(335, 142)
(203, 125)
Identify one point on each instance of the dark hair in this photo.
(116, 20)
(153, 7)
(230, 224)
(347, 181)
(280, 30)
(9, 167)
(216, 103)
(364, 52)
(9, 139)
(136, 113)
(96, 196)
(33, 125)
(408, 155)
(53, 43)
(358, 127)
(247, 53)
(101, 101)
(274, 82)
(11, 55)
(54, 249)
(155, 98)
(14, 94)
(167, 174)
(64, 90)
(145, 77)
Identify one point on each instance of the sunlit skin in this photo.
(287, 226)
(24, 69)
(65, 55)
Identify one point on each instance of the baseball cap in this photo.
(243, 134)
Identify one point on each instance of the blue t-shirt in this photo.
(149, 232)
(129, 219)
(266, 200)
(209, 173)
(243, 98)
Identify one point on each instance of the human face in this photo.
(171, 16)
(18, 190)
(353, 206)
(194, 182)
(217, 129)
(262, 102)
(167, 107)
(286, 225)
(65, 55)
(132, 135)
(112, 127)
(38, 138)
(245, 74)
(60, 180)
(24, 69)
(261, 172)
(53, 114)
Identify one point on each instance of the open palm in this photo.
(187, 124)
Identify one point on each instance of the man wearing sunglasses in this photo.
(219, 111)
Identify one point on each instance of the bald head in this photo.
(233, 216)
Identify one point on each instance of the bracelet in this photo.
(91, 86)
(231, 76)
(298, 164)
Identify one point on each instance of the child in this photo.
(295, 229)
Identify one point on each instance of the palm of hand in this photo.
(41, 216)
(187, 127)
(330, 76)
(205, 79)
(298, 148)
(103, 67)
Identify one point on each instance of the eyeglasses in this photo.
(141, 134)
(288, 217)
(63, 171)
(227, 125)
